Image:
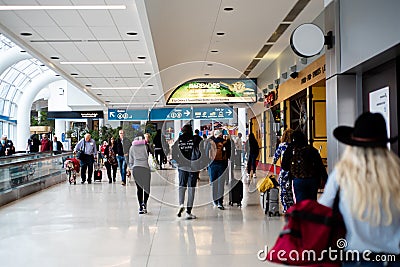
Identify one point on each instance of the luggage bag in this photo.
(270, 202)
(98, 174)
(236, 192)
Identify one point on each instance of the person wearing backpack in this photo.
(182, 153)
(306, 167)
(219, 151)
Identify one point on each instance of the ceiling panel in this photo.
(127, 70)
(92, 51)
(78, 33)
(51, 33)
(66, 18)
(105, 33)
(115, 51)
(68, 51)
(91, 18)
(133, 81)
(36, 18)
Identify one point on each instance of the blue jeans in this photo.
(305, 188)
(122, 167)
(218, 171)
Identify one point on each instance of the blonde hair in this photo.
(287, 136)
(370, 181)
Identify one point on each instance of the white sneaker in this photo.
(190, 216)
(181, 209)
(254, 176)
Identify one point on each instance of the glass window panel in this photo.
(6, 109)
(12, 111)
(1, 106)
(19, 79)
(4, 90)
(11, 92)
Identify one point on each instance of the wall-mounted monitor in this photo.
(209, 91)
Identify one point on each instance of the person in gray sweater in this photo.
(138, 163)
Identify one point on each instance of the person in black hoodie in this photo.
(182, 151)
(161, 148)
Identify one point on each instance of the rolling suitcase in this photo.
(270, 202)
(98, 174)
(236, 192)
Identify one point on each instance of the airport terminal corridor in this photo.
(98, 225)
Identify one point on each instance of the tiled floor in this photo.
(99, 225)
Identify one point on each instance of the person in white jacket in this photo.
(138, 163)
(368, 176)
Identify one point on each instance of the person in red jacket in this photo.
(45, 144)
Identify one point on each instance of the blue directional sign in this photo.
(128, 115)
(213, 113)
(170, 114)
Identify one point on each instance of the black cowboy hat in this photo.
(369, 131)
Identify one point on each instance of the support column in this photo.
(196, 124)
(177, 129)
(241, 118)
(25, 104)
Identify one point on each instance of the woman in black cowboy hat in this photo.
(368, 175)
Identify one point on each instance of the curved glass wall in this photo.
(13, 81)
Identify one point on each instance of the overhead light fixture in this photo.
(220, 33)
(271, 86)
(228, 9)
(284, 75)
(121, 88)
(96, 7)
(25, 33)
(100, 62)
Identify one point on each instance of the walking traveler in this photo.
(161, 148)
(88, 155)
(45, 144)
(122, 150)
(138, 163)
(110, 160)
(253, 150)
(306, 167)
(219, 152)
(284, 179)
(367, 178)
(182, 152)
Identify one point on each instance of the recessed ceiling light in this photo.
(77, 7)
(22, 51)
(153, 94)
(74, 74)
(209, 64)
(141, 57)
(220, 33)
(206, 74)
(131, 33)
(150, 85)
(107, 101)
(57, 75)
(147, 73)
(99, 94)
(100, 62)
(214, 51)
(88, 85)
(42, 65)
(25, 33)
(228, 9)
(54, 57)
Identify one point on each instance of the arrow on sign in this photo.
(229, 112)
(187, 113)
(112, 114)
